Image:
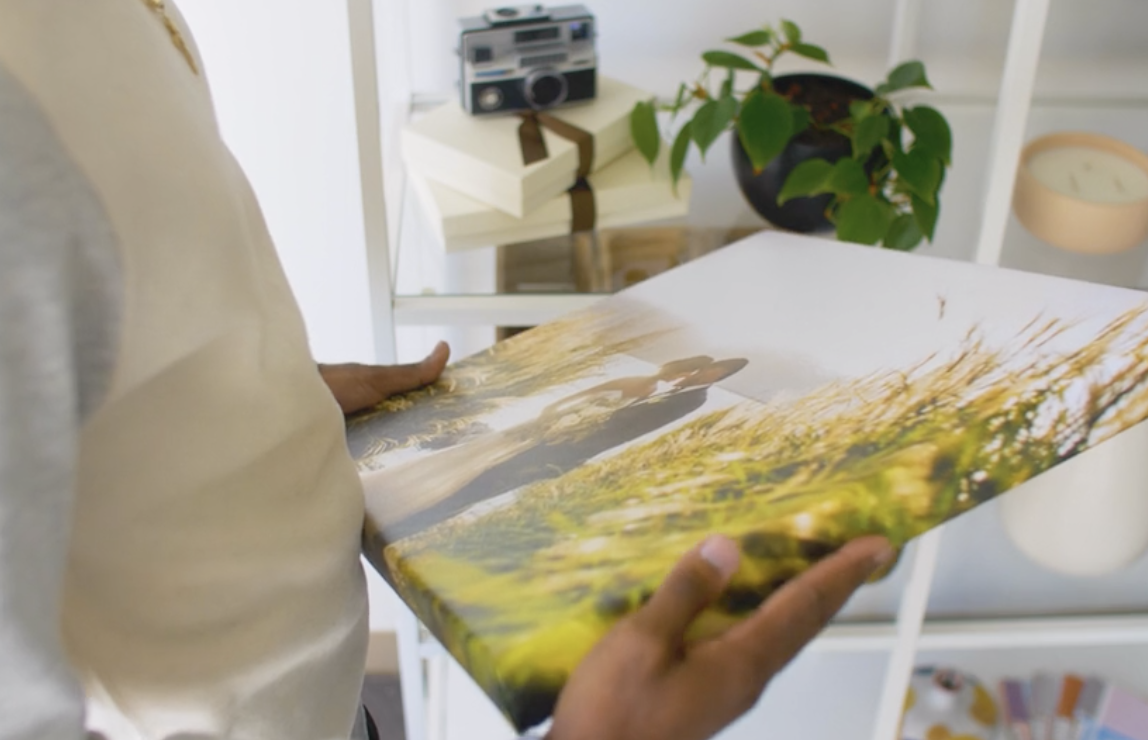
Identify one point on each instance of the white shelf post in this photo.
(412, 673)
(910, 621)
(1013, 104)
(365, 79)
(906, 31)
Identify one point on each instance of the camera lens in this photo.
(545, 89)
(507, 12)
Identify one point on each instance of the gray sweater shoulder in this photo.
(60, 298)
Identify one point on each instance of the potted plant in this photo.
(812, 151)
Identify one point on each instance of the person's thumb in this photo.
(390, 380)
(695, 582)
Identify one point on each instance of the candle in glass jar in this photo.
(1090, 174)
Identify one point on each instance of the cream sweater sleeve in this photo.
(59, 312)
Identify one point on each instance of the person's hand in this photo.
(357, 387)
(643, 682)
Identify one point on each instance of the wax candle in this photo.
(1083, 192)
(1090, 174)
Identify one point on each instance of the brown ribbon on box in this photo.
(534, 146)
(583, 208)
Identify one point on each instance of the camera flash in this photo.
(490, 98)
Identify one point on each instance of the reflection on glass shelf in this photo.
(598, 262)
(1023, 251)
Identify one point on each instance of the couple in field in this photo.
(411, 497)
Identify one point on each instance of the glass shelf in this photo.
(526, 283)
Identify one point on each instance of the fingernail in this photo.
(722, 554)
(878, 549)
(884, 556)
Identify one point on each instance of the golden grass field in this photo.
(520, 594)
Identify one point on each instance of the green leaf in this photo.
(925, 214)
(801, 119)
(644, 130)
(753, 38)
(792, 32)
(919, 173)
(727, 85)
(809, 51)
(808, 178)
(909, 74)
(848, 178)
(904, 233)
(859, 109)
(765, 126)
(678, 154)
(710, 120)
(681, 98)
(868, 134)
(931, 132)
(728, 59)
(894, 138)
(863, 219)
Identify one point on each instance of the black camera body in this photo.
(527, 57)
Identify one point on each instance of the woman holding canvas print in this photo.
(179, 518)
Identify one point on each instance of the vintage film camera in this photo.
(527, 57)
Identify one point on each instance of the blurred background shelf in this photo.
(1004, 74)
(827, 694)
(422, 268)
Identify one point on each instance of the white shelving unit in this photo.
(910, 635)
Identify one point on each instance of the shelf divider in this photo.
(365, 80)
(1026, 36)
(910, 621)
(488, 310)
(906, 31)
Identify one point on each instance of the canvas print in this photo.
(792, 393)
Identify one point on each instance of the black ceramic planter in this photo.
(761, 190)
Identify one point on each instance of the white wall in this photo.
(280, 73)
(652, 41)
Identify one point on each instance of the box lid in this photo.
(627, 192)
(482, 157)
